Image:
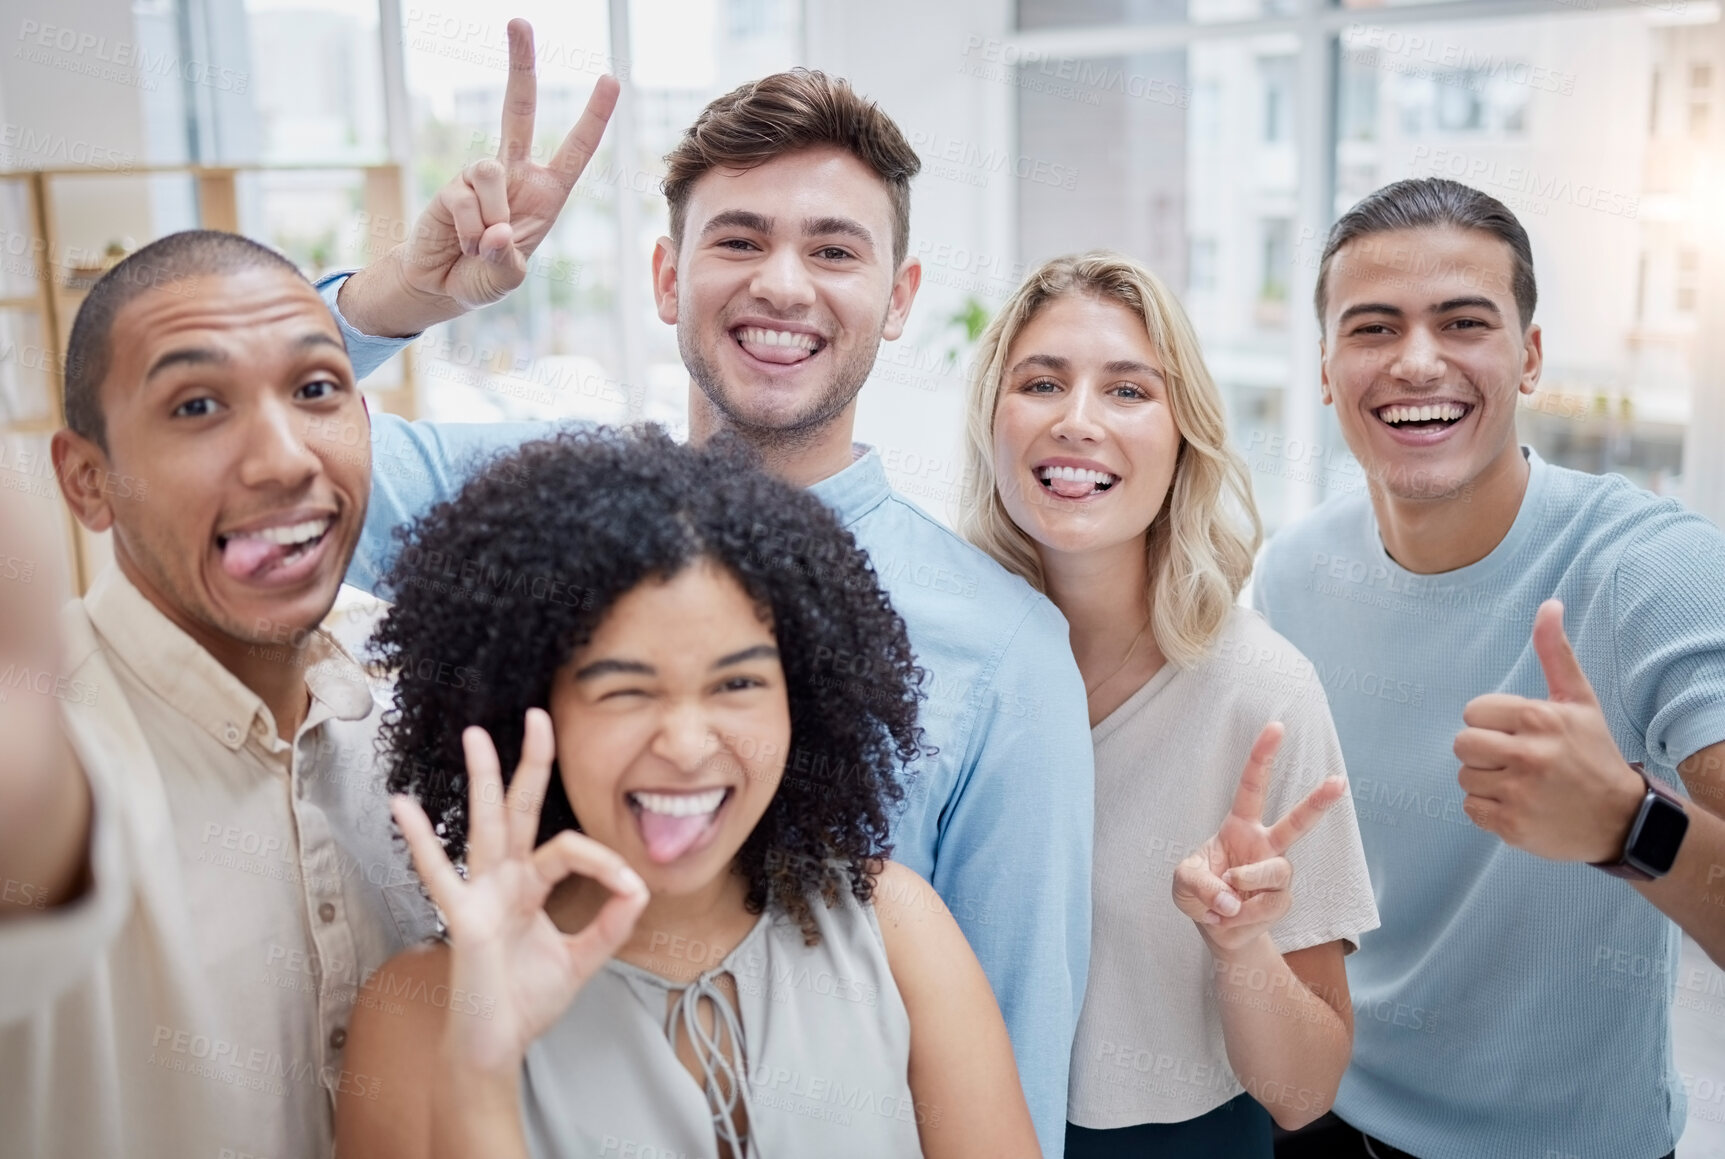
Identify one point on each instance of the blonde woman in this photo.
(1099, 470)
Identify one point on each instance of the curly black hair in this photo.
(497, 589)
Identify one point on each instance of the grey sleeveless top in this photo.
(824, 1044)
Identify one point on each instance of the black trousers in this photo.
(1331, 1138)
(1238, 1129)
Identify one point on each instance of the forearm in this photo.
(45, 835)
(380, 302)
(1287, 1045)
(476, 1114)
(1693, 893)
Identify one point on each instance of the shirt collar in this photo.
(858, 489)
(195, 684)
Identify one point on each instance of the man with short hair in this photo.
(1516, 1001)
(785, 267)
(207, 828)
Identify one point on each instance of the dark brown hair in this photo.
(1434, 202)
(782, 113)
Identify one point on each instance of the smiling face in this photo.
(1085, 442)
(783, 288)
(226, 399)
(673, 724)
(1424, 356)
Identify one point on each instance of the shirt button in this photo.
(326, 911)
(231, 734)
(338, 1038)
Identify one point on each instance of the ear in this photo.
(83, 471)
(904, 287)
(1324, 372)
(1533, 359)
(665, 280)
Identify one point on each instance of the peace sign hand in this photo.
(470, 246)
(512, 970)
(1235, 885)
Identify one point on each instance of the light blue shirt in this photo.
(1509, 1005)
(999, 820)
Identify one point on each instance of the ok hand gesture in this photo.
(1235, 885)
(470, 246)
(513, 970)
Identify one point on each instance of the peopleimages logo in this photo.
(120, 61)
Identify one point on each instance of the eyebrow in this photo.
(211, 356)
(1471, 302)
(1130, 366)
(317, 338)
(738, 219)
(1046, 361)
(843, 226)
(1117, 366)
(187, 356)
(636, 667)
(812, 227)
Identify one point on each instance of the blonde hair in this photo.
(1204, 538)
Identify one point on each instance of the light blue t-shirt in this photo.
(1509, 1005)
(999, 821)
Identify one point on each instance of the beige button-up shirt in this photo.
(194, 1004)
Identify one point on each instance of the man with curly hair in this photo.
(785, 265)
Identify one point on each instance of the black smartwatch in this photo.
(1654, 838)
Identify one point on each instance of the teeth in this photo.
(289, 535)
(1076, 475)
(1442, 411)
(680, 804)
(761, 337)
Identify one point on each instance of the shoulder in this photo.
(917, 534)
(902, 895)
(925, 564)
(1252, 666)
(1336, 525)
(408, 994)
(917, 931)
(1649, 544)
(1613, 508)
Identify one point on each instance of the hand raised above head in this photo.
(470, 246)
(1235, 886)
(511, 966)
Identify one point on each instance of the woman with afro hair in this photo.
(672, 928)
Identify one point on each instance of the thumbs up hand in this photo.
(1545, 775)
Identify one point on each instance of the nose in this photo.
(276, 453)
(685, 737)
(1079, 418)
(782, 279)
(1418, 359)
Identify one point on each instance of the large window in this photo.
(1591, 121)
(582, 338)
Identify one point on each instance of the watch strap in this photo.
(1623, 867)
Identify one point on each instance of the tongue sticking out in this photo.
(245, 557)
(668, 838)
(1070, 489)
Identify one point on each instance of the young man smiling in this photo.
(1516, 1000)
(212, 848)
(784, 268)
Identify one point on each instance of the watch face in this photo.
(1660, 835)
